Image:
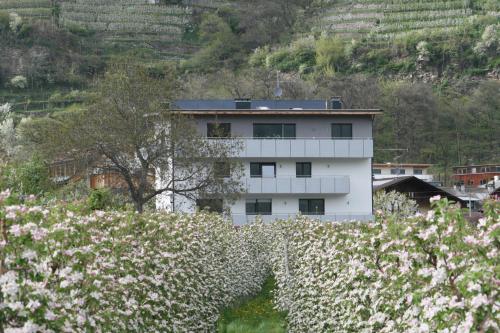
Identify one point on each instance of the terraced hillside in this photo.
(122, 23)
(33, 9)
(386, 19)
(128, 22)
(121, 17)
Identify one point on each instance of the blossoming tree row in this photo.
(111, 271)
(118, 272)
(433, 273)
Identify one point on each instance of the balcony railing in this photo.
(242, 219)
(301, 147)
(287, 185)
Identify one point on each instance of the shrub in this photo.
(99, 199)
(258, 57)
(490, 41)
(395, 204)
(30, 177)
(291, 59)
(15, 22)
(19, 82)
(330, 54)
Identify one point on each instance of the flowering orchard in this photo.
(105, 272)
(433, 273)
(108, 271)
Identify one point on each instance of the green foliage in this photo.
(78, 30)
(259, 56)
(221, 45)
(256, 314)
(292, 59)
(29, 177)
(99, 199)
(4, 22)
(330, 54)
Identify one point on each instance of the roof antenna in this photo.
(278, 92)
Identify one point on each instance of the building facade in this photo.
(298, 157)
(476, 175)
(395, 170)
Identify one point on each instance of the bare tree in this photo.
(357, 91)
(129, 125)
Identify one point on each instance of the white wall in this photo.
(409, 171)
(358, 201)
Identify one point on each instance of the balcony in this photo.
(290, 185)
(301, 148)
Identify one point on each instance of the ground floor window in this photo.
(312, 206)
(259, 206)
(212, 205)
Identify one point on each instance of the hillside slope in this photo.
(390, 18)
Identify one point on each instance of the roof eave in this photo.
(316, 112)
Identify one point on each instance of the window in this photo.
(212, 205)
(274, 131)
(303, 169)
(312, 206)
(219, 130)
(263, 170)
(377, 171)
(417, 171)
(343, 131)
(222, 169)
(398, 171)
(259, 206)
(483, 182)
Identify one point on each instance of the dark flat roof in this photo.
(229, 104)
(265, 107)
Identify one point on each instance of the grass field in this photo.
(256, 315)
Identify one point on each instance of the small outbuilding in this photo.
(416, 189)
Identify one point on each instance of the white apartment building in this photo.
(310, 157)
(395, 170)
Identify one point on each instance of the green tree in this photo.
(409, 121)
(483, 122)
(221, 45)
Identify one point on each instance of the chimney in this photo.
(336, 103)
(243, 104)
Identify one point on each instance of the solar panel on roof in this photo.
(254, 104)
